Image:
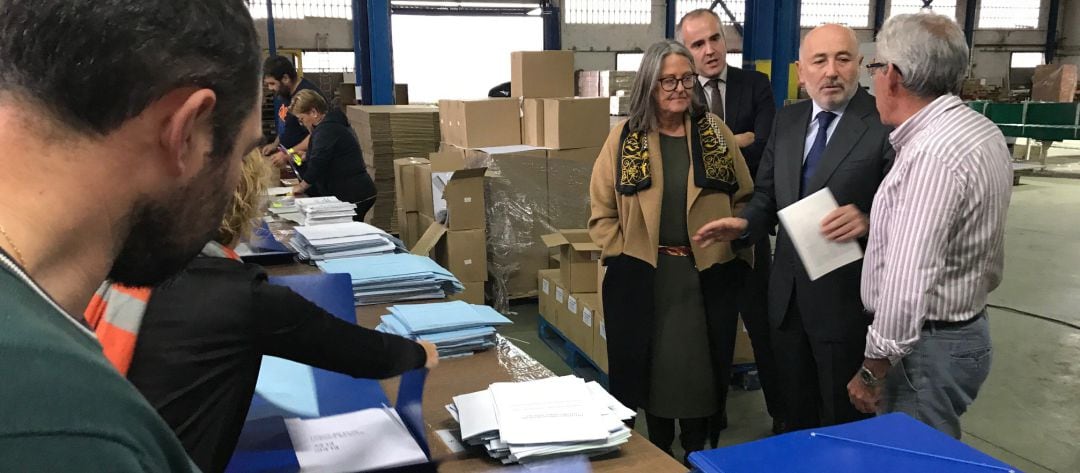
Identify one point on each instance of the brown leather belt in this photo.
(676, 250)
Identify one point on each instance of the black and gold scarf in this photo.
(714, 168)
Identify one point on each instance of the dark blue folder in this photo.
(266, 249)
(893, 443)
(264, 444)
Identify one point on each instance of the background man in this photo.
(279, 75)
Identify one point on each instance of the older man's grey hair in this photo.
(643, 107)
(930, 51)
(690, 15)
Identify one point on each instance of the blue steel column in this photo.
(879, 16)
(361, 45)
(970, 8)
(1051, 31)
(552, 27)
(758, 30)
(785, 48)
(670, 20)
(381, 52)
(271, 35)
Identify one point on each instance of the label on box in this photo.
(560, 295)
(547, 287)
(468, 200)
(468, 262)
(586, 316)
(603, 330)
(572, 305)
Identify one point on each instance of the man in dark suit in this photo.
(744, 100)
(834, 141)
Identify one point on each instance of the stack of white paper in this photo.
(385, 279)
(371, 439)
(537, 420)
(325, 210)
(340, 240)
(456, 328)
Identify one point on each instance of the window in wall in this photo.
(737, 7)
(853, 13)
(329, 61)
(465, 49)
(608, 12)
(1009, 14)
(632, 61)
(293, 9)
(1026, 60)
(941, 7)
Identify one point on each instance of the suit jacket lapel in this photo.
(789, 155)
(734, 100)
(845, 137)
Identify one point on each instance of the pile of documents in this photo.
(324, 210)
(456, 328)
(341, 240)
(385, 279)
(538, 420)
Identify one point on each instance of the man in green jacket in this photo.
(122, 126)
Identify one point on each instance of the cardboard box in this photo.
(480, 123)
(577, 258)
(541, 74)
(569, 173)
(464, 196)
(532, 122)
(473, 294)
(516, 185)
(599, 353)
(576, 123)
(581, 308)
(558, 306)
(412, 185)
(463, 253)
(448, 158)
(409, 228)
(546, 280)
(744, 352)
(588, 84)
(620, 106)
(613, 83)
(1054, 83)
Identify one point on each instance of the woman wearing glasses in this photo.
(669, 304)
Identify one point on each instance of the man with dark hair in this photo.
(127, 184)
(279, 75)
(744, 100)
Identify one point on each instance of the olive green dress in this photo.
(682, 383)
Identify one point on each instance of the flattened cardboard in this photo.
(541, 74)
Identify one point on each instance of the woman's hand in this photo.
(432, 354)
(724, 229)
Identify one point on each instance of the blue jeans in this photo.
(941, 377)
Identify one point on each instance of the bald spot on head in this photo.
(828, 39)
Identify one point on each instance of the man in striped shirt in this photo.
(937, 231)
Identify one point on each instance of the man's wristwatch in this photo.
(867, 377)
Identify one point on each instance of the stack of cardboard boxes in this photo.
(615, 85)
(387, 133)
(569, 296)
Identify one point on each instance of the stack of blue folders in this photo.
(385, 279)
(456, 328)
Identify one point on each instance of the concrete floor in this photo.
(1028, 413)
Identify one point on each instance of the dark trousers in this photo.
(691, 433)
(815, 375)
(724, 282)
(362, 208)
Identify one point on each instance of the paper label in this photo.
(560, 295)
(547, 287)
(468, 262)
(572, 305)
(586, 316)
(603, 330)
(468, 200)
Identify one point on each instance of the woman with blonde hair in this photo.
(334, 164)
(669, 303)
(193, 345)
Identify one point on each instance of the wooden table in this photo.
(475, 373)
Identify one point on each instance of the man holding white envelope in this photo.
(835, 145)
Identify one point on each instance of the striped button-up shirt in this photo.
(937, 227)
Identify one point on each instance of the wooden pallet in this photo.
(576, 359)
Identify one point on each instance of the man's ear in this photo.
(189, 112)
